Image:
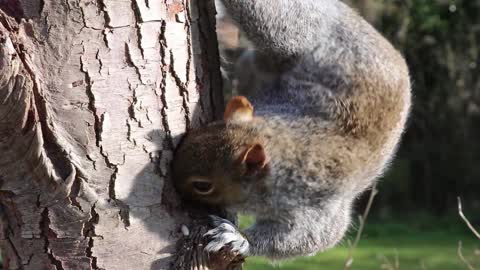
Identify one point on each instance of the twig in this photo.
(362, 219)
(397, 260)
(460, 255)
(422, 264)
(388, 265)
(470, 226)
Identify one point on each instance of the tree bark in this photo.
(94, 96)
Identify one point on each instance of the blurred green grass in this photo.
(421, 243)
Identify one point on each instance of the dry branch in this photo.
(475, 232)
(470, 226)
(362, 219)
(464, 260)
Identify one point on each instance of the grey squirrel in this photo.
(324, 129)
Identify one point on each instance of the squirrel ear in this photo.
(254, 158)
(238, 109)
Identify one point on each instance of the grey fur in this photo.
(330, 123)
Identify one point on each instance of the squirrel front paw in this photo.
(226, 234)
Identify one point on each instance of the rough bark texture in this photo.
(93, 97)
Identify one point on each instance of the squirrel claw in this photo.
(226, 234)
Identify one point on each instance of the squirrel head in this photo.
(222, 163)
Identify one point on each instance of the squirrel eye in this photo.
(202, 187)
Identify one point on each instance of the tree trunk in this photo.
(93, 97)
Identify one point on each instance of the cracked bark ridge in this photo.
(94, 97)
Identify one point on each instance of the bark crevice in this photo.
(46, 233)
(14, 249)
(138, 19)
(103, 8)
(130, 63)
(74, 192)
(124, 209)
(91, 102)
(89, 232)
(163, 84)
(182, 88)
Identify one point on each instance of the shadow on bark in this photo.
(188, 251)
